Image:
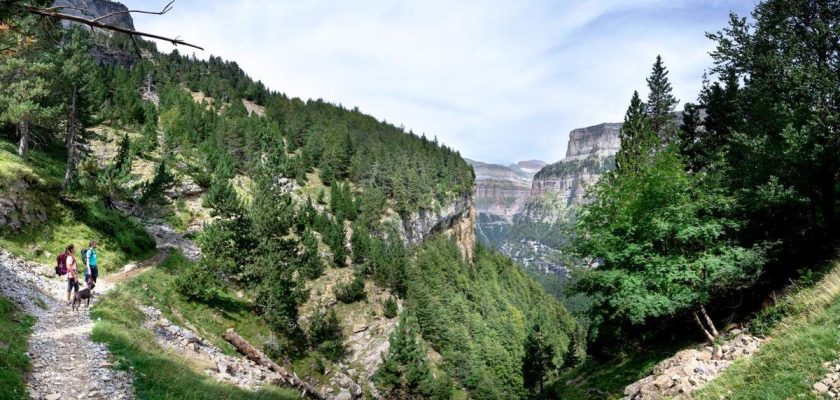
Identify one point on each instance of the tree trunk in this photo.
(70, 141)
(708, 320)
(258, 357)
(703, 328)
(23, 131)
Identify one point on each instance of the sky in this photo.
(499, 81)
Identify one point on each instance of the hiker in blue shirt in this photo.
(89, 256)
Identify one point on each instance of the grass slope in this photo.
(158, 373)
(15, 327)
(120, 239)
(791, 362)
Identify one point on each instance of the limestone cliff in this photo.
(562, 185)
(500, 193)
(540, 231)
(103, 53)
(455, 219)
(97, 8)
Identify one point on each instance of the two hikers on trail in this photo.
(66, 263)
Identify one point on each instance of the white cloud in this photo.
(499, 81)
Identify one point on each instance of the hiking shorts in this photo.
(72, 284)
(94, 273)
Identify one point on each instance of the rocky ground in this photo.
(829, 386)
(66, 364)
(185, 342)
(691, 369)
(168, 238)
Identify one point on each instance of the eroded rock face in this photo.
(500, 194)
(559, 186)
(97, 8)
(91, 9)
(457, 218)
(502, 190)
(17, 209)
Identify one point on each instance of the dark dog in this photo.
(84, 294)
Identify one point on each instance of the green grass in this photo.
(791, 362)
(15, 327)
(156, 288)
(595, 377)
(158, 373)
(120, 239)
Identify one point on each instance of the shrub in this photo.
(351, 292)
(325, 334)
(390, 308)
(199, 282)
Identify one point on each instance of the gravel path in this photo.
(66, 364)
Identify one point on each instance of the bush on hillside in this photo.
(390, 308)
(351, 292)
(325, 334)
(199, 282)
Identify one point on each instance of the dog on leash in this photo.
(84, 294)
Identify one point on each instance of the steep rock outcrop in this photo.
(559, 186)
(91, 9)
(500, 193)
(502, 190)
(95, 9)
(455, 219)
(539, 231)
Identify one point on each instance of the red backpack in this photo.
(61, 264)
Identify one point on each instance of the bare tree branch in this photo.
(161, 12)
(96, 24)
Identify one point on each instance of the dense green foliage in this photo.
(478, 316)
(732, 195)
(405, 371)
(15, 327)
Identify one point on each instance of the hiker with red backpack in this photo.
(66, 264)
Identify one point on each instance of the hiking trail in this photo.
(65, 362)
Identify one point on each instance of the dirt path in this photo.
(66, 364)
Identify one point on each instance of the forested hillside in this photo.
(303, 211)
(704, 222)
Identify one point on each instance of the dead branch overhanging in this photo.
(96, 24)
(161, 12)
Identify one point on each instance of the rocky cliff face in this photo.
(103, 54)
(97, 8)
(454, 219)
(539, 232)
(500, 194)
(562, 185)
(502, 190)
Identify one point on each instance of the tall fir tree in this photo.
(537, 363)
(661, 102)
(638, 139)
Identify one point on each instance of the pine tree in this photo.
(152, 191)
(537, 362)
(123, 157)
(638, 140)
(405, 371)
(689, 138)
(661, 102)
(25, 95)
(310, 261)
